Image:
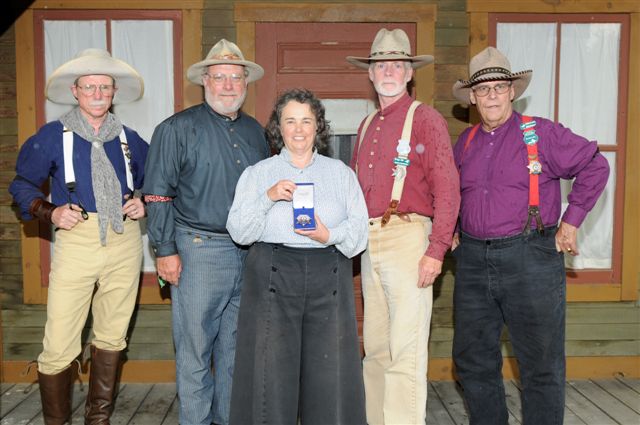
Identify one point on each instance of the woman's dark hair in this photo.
(323, 134)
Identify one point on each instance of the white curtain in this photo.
(62, 41)
(147, 45)
(532, 46)
(587, 104)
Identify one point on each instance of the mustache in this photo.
(98, 103)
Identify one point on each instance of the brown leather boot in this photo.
(55, 392)
(102, 385)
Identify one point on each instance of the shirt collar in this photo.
(286, 156)
(503, 128)
(398, 105)
(220, 116)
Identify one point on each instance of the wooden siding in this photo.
(594, 330)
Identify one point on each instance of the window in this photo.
(580, 73)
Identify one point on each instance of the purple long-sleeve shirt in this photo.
(494, 178)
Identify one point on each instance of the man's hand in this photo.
(455, 241)
(567, 239)
(133, 208)
(282, 191)
(320, 234)
(67, 216)
(169, 268)
(428, 270)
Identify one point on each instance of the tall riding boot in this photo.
(55, 392)
(102, 385)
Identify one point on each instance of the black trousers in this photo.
(297, 345)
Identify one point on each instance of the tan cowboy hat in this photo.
(391, 45)
(94, 62)
(224, 52)
(491, 65)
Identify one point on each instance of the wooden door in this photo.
(312, 55)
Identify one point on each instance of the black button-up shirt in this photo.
(196, 158)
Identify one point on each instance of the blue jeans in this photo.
(205, 308)
(518, 282)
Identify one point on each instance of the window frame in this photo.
(187, 18)
(623, 286)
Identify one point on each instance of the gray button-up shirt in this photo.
(196, 158)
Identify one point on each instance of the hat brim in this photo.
(520, 82)
(416, 61)
(195, 71)
(127, 80)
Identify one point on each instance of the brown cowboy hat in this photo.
(224, 52)
(94, 62)
(491, 65)
(390, 45)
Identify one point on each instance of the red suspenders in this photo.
(535, 168)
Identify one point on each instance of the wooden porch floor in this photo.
(592, 402)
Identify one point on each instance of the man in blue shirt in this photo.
(94, 164)
(195, 160)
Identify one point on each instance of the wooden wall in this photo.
(595, 331)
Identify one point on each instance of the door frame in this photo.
(246, 15)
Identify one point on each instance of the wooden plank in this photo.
(512, 393)
(605, 401)
(156, 405)
(451, 397)
(29, 408)
(620, 391)
(585, 409)
(172, 414)
(436, 412)
(16, 395)
(634, 384)
(128, 402)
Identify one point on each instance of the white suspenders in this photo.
(69, 173)
(401, 161)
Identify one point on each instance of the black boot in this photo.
(102, 385)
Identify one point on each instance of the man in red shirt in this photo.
(405, 166)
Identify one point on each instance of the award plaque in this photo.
(303, 212)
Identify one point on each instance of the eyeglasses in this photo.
(500, 88)
(222, 78)
(90, 89)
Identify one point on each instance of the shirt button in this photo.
(375, 140)
(491, 144)
(231, 130)
(370, 165)
(238, 161)
(381, 118)
(235, 145)
(377, 128)
(371, 223)
(371, 153)
(485, 191)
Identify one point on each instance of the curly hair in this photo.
(323, 133)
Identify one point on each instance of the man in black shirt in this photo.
(195, 160)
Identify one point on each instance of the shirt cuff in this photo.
(335, 236)
(436, 250)
(574, 215)
(166, 249)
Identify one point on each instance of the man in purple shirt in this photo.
(510, 249)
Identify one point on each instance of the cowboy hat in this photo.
(94, 62)
(390, 45)
(491, 65)
(224, 52)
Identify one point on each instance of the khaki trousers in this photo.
(397, 315)
(79, 263)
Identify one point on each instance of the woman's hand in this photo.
(319, 234)
(282, 191)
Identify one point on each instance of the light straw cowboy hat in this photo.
(491, 65)
(224, 52)
(390, 45)
(94, 62)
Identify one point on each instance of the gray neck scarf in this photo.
(106, 186)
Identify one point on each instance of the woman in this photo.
(297, 346)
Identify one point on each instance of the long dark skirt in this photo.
(297, 345)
